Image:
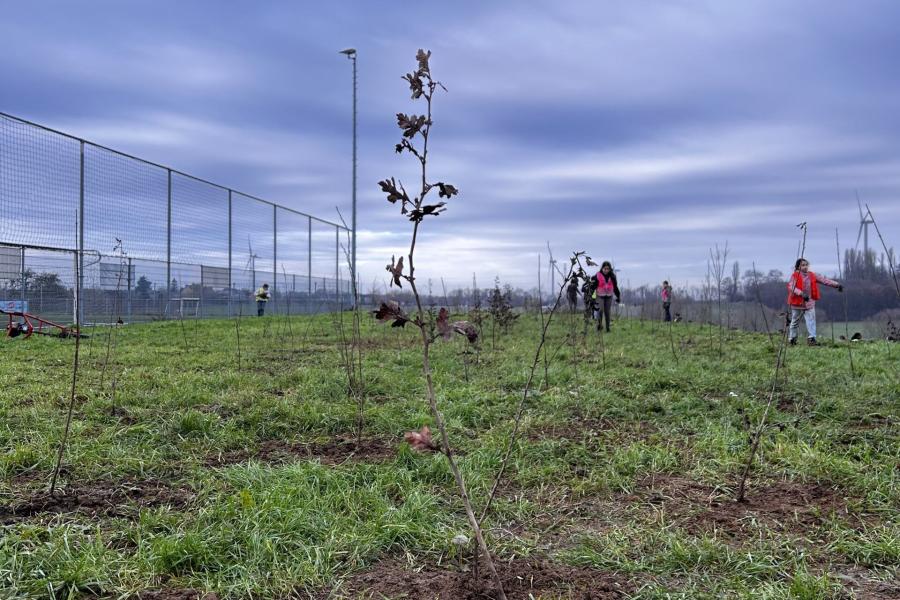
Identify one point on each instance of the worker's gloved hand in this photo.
(806, 297)
(840, 288)
(618, 301)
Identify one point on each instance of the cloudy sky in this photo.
(644, 132)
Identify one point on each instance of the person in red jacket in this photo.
(803, 291)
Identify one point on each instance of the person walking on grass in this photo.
(262, 296)
(572, 293)
(604, 290)
(667, 300)
(803, 291)
(587, 296)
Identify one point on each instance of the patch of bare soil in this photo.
(861, 584)
(877, 421)
(98, 498)
(523, 579)
(791, 507)
(175, 594)
(559, 516)
(331, 452)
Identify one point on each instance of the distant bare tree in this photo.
(718, 259)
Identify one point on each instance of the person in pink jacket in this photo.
(666, 296)
(605, 287)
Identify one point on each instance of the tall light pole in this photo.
(351, 54)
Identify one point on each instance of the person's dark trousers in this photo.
(607, 302)
(666, 306)
(260, 308)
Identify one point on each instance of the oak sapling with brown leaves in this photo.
(416, 130)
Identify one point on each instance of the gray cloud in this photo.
(641, 131)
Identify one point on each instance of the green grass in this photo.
(870, 330)
(577, 491)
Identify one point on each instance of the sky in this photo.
(643, 132)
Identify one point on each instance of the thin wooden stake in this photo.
(837, 245)
(65, 438)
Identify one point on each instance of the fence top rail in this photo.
(40, 248)
(169, 169)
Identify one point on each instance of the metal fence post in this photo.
(309, 265)
(202, 285)
(130, 276)
(24, 279)
(80, 252)
(77, 299)
(337, 256)
(169, 242)
(230, 276)
(274, 259)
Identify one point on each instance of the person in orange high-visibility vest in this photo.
(803, 291)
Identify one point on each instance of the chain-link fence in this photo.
(88, 229)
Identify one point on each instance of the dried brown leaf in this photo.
(421, 440)
(391, 311)
(396, 271)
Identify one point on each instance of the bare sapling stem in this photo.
(762, 308)
(541, 312)
(351, 351)
(672, 343)
(65, 437)
(718, 262)
(757, 435)
(113, 312)
(523, 400)
(347, 362)
(118, 308)
(602, 341)
(779, 363)
(837, 245)
(465, 355)
(573, 335)
(423, 87)
(237, 333)
(290, 327)
(889, 253)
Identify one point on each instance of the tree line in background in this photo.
(867, 277)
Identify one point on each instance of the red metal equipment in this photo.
(31, 324)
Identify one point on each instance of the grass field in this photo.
(870, 330)
(199, 476)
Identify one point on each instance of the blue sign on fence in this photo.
(14, 305)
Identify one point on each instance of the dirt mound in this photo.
(99, 498)
(784, 506)
(524, 578)
(331, 452)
